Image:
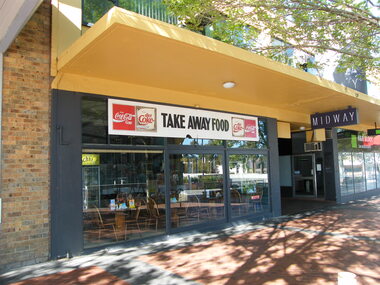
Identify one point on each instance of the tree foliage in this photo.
(348, 28)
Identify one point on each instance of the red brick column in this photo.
(24, 233)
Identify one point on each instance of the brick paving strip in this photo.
(82, 276)
(308, 248)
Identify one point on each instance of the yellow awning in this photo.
(128, 55)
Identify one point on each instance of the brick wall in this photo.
(24, 233)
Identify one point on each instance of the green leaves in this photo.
(348, 28)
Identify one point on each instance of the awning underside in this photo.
(127, 48)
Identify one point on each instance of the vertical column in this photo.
(274, 169)
(66, 189)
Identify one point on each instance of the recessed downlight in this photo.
(229, 84)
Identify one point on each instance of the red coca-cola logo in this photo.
(237, 127)
(146, 119)
(120, 117)
(124, 117)
(250, 128)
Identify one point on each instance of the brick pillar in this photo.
(24, 233)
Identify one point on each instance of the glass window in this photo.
(95, 126)
(377, 160)
(346, 174)
(196, 189)
(249, 189)
(93, 10)
(358, 170)
(94, 120)
(131, 140)
(195, 142)
(123, 195)
(370, 172)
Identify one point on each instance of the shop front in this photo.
(148, 169)
(183, 152)
(359, 165)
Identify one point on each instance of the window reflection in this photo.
(195, 142)
(358, 170)
(123, 195)
(94, 120)
(370, 172)
(248, 184)
(377, 160)
(196, 189)
(346, 174)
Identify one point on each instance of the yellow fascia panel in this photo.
(283, 130)
(117, 16)
(78, 83)
(320, 135)
(317, 135)
(80, 71)
(309, 136)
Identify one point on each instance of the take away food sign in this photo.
(144, 119)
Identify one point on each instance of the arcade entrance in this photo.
(306, 177)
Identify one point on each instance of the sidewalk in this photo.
(309, 248)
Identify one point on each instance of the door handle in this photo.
(60, 136)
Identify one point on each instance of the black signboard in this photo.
(373, 132)
(334, 119)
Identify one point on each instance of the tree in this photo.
(348, 28)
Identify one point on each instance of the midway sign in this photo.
(334, 119)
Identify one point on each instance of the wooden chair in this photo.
(257, 199)
(195, 209)
(236, 199)
(153, 213)
(240, 202)
(104, 227)
(133, 222)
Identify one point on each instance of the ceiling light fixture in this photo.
(229, 84)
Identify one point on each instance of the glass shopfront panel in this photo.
(123, 180)
(370, 172)
(358, 170)
(249, 191)
(123, 195)
(346, 174)
(377, 168)
(359, 162)
(196, 189)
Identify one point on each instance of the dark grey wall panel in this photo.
(298, 141)
(66, 193)
(274, 175)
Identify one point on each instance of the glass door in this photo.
(304, 178)
(248, 184)
(196, 188)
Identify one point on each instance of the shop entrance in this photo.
(307, 179)
(304, 175)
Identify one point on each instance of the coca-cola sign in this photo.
(133, 118)
(124, 117)
(146, 119)
(237, 127)
(250, 130)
